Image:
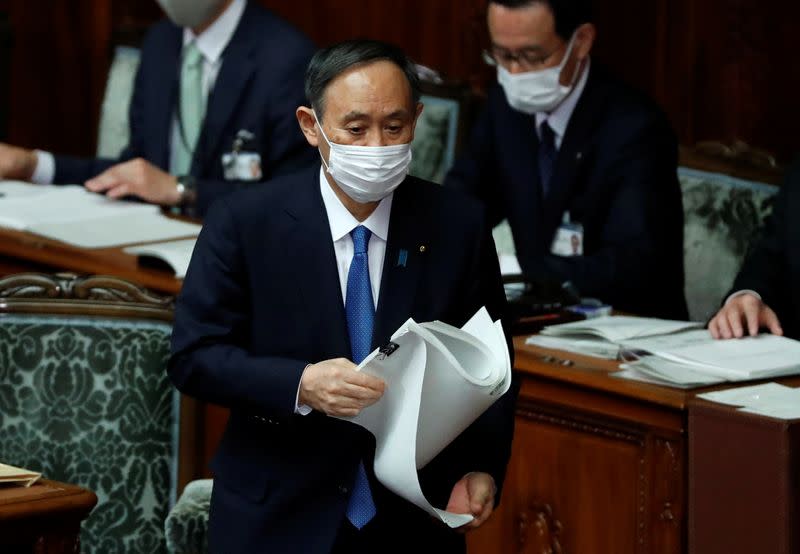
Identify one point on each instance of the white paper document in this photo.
(617, 328)
(586, 346)
(439, 379)
(176, 253)
(73, 215)
(769, 399)
(667, 372)
(12, 474)
(757, 395)
(735, 359)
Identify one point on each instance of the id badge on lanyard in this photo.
(241, 163)
(568, 240)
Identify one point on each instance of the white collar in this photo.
(213, 40)
(342, 221)
(559, 118)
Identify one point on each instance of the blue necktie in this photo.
(360, 316)
(547, 156)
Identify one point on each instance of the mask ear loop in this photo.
(563, 63)
(322, 132)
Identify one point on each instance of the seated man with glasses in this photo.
(572, 156)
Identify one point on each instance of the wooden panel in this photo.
(554, 499)
(592, 470)
(720, 68)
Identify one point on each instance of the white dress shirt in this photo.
(211, 43)
(342, 223)
(559, 118)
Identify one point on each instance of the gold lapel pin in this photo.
(422, 248)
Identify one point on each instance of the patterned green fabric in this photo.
(87, 401)
(723, 217)
(187, 524)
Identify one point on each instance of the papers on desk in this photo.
(76, 216)
(769, 399)
(16, 475)
(733, 360)
(674, 353)
(439, 379)
(600, 337)
(617, 328)
(176, 254)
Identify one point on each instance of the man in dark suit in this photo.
(766, 293)
(292, 283)
(212, 110)
(562, 148)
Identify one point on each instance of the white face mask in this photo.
(536, 91)
(190, 13)
(367, 173)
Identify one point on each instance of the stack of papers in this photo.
(770, 399)
(439, 379)
(16, 475)
(600, 337)
(697, 353)
(674, 353)
(76, 216)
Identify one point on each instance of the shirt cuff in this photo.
(740, 293)
(301, 409)
(45, 170)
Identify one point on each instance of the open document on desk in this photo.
(73, 215)
(439, 379)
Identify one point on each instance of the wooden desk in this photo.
(44, 518)
(599, 464)
(23, 252)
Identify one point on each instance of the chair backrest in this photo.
(84, 399)
(727, 195)
(113, 131)
(441, 129)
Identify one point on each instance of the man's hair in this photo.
(329, 63)
(568, 14)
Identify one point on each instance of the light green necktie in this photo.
(192, 108)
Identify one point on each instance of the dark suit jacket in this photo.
(258, 88)
(262, 299)
(616, 175)
(773, 267)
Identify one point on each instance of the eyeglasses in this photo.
(527, 58)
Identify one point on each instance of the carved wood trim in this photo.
(70, 294)
(737, 158)
(592, 426)
(603, 428)
(538, 530)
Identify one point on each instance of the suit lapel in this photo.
(402, 264)
(234, 76)
(309, 250)
(160, 106)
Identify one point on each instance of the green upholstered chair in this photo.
(84, 399)
(186, 527)
(727, 195)
(113, 131)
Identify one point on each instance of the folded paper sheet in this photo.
(439, 379)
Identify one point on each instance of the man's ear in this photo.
(308, 125)
(584, 38)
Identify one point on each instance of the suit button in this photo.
(344, 489)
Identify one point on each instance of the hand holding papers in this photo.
(439, 379)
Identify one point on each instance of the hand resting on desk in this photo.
(743, 308)
(139, 178)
